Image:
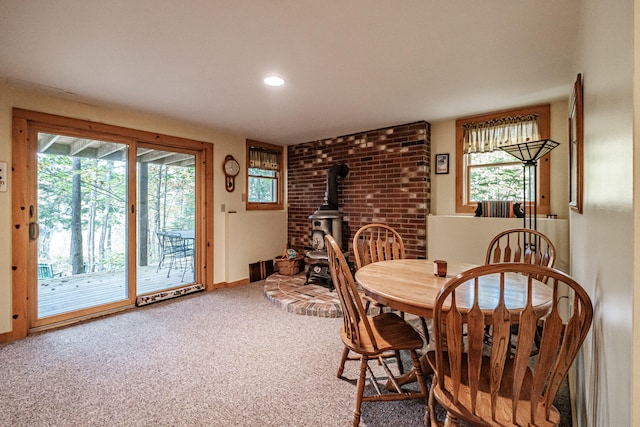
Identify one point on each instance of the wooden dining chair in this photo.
(373, 243)
(492, 385)
(377, 242)
(372, 336)
(521, 245)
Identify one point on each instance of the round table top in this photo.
(410, 285)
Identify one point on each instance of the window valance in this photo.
(260, 158)
(490, 135)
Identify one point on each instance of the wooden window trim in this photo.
(544, 164)
(279, 205)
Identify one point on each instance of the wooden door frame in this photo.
(25, 126)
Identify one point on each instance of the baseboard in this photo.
(222, 285)
(572, 396)
(10, 336)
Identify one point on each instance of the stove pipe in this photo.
(331, 195)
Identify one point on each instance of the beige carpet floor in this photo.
(223, 358)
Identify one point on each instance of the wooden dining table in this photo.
(410, 286)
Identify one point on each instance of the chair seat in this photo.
(503, 411)
(390, 332)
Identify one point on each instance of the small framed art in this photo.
(442, 163)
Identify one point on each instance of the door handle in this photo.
(34, 231)
(34, 227)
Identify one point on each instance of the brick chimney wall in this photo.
(388, 182)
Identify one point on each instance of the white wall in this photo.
(242, 254)
(257, 236)
(602, 238)
(466, 238)
(635, 374)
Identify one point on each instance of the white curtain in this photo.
(263, 159)
(490, 135)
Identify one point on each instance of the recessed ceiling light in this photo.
(274, 80)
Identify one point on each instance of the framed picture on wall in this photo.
(576, 146)
(442, 163)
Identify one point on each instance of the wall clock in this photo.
(231, 169)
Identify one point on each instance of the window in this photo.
(484, 172)
(494, 176)
(264, 176)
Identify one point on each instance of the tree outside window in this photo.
(494, 176)
(263, 186)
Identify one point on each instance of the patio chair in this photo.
(45, 271)
(165, 249)
(181, 251)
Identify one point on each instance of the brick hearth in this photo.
(292, 295)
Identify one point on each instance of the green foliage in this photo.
(263, 186)
(104, 208)
(496, 183)
(493, 157)
(113, 261)
(176, 199)
(495, 176)
(54, 191)
(103, 197)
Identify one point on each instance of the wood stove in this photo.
(326, 220)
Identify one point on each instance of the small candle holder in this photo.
(440, 268)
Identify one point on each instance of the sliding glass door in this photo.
(166, 219)
(84, 187)
(82, 216)
(105, 217)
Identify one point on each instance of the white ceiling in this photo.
(350, 65)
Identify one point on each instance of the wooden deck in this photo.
(69, 293)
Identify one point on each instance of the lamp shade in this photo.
(530, 151)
